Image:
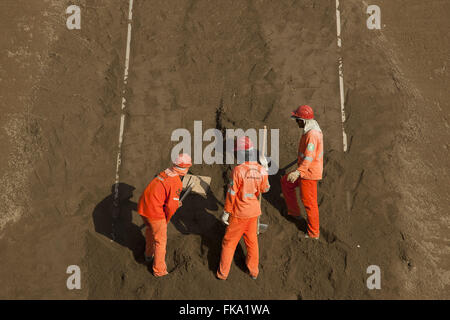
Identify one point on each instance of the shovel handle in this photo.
(263, 154)
(263, 151)
(186, 193)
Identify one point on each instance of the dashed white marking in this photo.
(122, 117)
(341, 75)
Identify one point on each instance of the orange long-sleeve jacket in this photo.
(160, 199)
(310, 155)
(249, 180)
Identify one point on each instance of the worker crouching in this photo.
(242, 209)
(157, 204)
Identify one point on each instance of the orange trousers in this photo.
(308, 195)
(237, 228)
(156, 241)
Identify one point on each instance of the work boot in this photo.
(251, 276)
(308, 237)
(149, 259)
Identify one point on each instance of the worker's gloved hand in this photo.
(180, 204)
(225, 216)
(264, 162)
(293, 176)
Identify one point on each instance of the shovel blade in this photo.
(201, 184)
(262, 228)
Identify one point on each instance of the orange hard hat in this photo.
(243, 144)
(304, 112)
(183, 161)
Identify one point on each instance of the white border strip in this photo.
(122, 117)
(341, 75)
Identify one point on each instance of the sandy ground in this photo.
(231, 64)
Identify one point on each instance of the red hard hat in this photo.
(303, 112)
(243, 143)
(183, 161)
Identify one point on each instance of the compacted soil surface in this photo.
(229, 64)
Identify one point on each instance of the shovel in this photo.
(196, 184)
(261, 228)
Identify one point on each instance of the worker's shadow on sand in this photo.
(193, 218)
(115, 222)
(274, 198)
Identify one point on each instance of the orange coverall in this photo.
(248, 181)
(157, 205)
(310, 165)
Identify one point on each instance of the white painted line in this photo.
(127, 55)
(341, 75)
(338, 24)
(122, 117)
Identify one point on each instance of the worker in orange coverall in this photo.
(309, 171)
(157, 204)
(242, 209)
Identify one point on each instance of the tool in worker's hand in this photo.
(261, 228)
(283, 170)
(188, 190)
(196, 184)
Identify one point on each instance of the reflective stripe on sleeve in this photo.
(176, 199)
(305, 158)
(231, 192)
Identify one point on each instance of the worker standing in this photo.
(309, 171)
(242, 209)
(157, 204)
